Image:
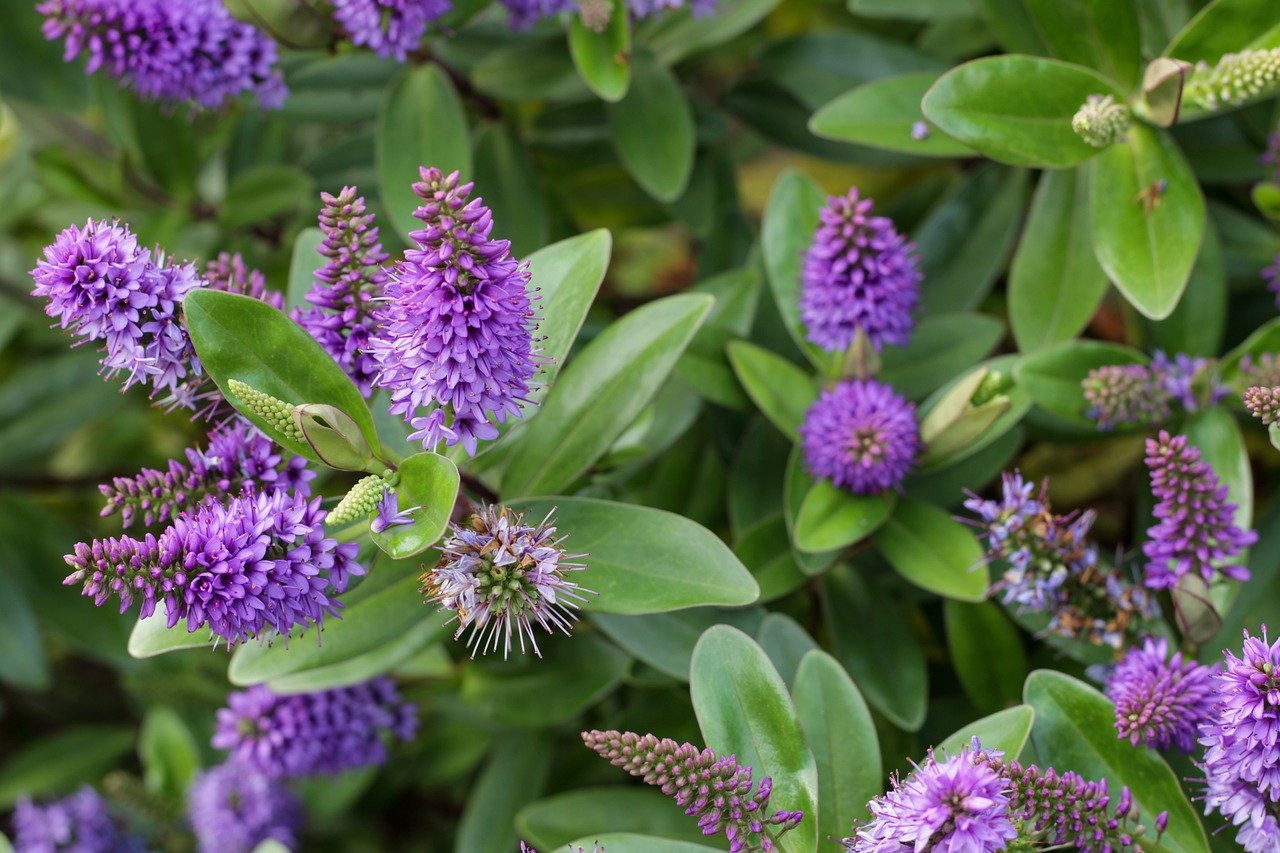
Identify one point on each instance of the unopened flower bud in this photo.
(361, 501)
(275, 412)
(1102, 121)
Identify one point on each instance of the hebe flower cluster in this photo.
(1052, 567)
(258, 563)
(233, 809)
(861, 436)
(237, 456)
(526, 13)
(1160, 700)
(328, 731)
(1101, 121)
(1263, 403)
(859, 274)
(343, 293)
(1196, 530)
(229, 273)
(500, 576)
(717, 791)
(390, 28)
(174, 51)
(456, 329)
(81, 822)
(1263, 369)
(1235, 79)
(1146, 394)
(106, 289)
(1241, 763)
(646, 8)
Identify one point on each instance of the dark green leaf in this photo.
(1227, 26)
(22, 660)
(782, 391)
(515, 775)
(1196, 326)
(566, 276)
(665, 641)
(653, 129)
(785, 643)
(831, 517)
(532, 70)
(262, 193)
(553, 822)
(987, 654)
(381, 659)
(1099, 34)
(765, 549)
(168, 752)
(59, 763)
(790, 219)
(933, 551)
(677, 35)
(603, 58)
(1221, 445)
(914, 10)
(508, 178)
(429, 483)
(884, 114)
(303, 267)
(942, 346)
(1006, 730)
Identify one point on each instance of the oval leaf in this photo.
(1006, 730)
(603, 58)
(553, 822)
(150, 637)
(884, 114)
(987, 653)
(781, 390)
(832, 518)
(791, 217)
(653, 129)
(934, 551)
(427, 490)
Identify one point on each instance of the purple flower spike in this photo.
(1125, 394)
(329, 731)
(859, 273)
(456, 330)
(233, 809)
(525, 13)
(79, 823)
(1196, 530)
(861, 436)
(1160, 701)
(391, 28)
(191, 51)
(229, 273)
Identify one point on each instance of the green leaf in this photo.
(169, 754)
(665, 641)
(386, 657)
(1052, 376)
(872, 640)
(62, 762)
(306, 261)
(653, 129)
(883, 114)
(1099, 34)
(832, 518)
(743, 709)
(529, 70)
(1264, 339)
(22, 659)
(987, 654)
(765, 549)
(241, 338)
(1075, 730)
(1011, 24)
(644, 560)
(1146, 247)
(262, 193)
(1017, 109)
(566, 276)
(1221, 444)
(842, 736)
(934, 551)
(1006, 730)
(785, 643)
(1055, 282)
(679, 34)
(515, 775)
(506, 172)
(781, 390)
(430, 483)
(1227, 26)
(913, 10)
(603, 59)
(1019, 403)
(601, 392)
(796, 485)
(631, 842)
(574, 674)
(942, 346)
(421, 123)
(150, 637)
(1196, 326)
(553, 822)
(791, 217)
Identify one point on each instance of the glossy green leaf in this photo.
(1055, 282)
(427, 490)
(1010, 22)
(1099, 34)
(796, 485)
(832, 518)
(150, 637)
(785, 643)
(1146, 244)
(1007, 731)
(743, 709)
(1017, 109)
(513, 188)
(943, 346)
(884, 114)
(262, 193)
(1052, 376)
(421, 123)
(1217, 434)
(987, 654)
(1075, 730)
(1197, 325)
(388, 656)
(241, 338)
(934, 551)
(842, 736)
(781, 390)
(553, 822)
(566, 276)
(529, 70)
(665, 641)
(515, 775)
(632, 842)
(653, 128)
(169, 754)
(306, 261)
(765, 549)
(644, 560)
(872, 640)
(22, 659)
(601, 392)
(791, 216)
(679, 34)
(62, 762)
(1227, 26)
(603, 58)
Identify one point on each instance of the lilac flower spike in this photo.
(859, 273)
(328, 731)
(230, 274)
(173, 51)
(500, 576)
(1241, 764)
(861, 436)
(81, 823)
(389, 512)
(233, 809)
(1125, 394)
(1263, 403)
(717, 791)
(259, 563)
(1196, 530)
(525, 13)
(456, 329)
(1160, 700)
(390, 28)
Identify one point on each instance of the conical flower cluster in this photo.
(1263, 403)
(860, 435)
(1101, 121)
(233, 809)
(1235, 79)
(1160, 700)
(390, 28)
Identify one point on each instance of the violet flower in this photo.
(78, 823)
(861, 436)
(391, 28)
(233, 809)
(1160, 700)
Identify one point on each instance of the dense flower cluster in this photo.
(456, 329)
(1160, 700)
(859, 274)
(1263, 369)
(174, 51)
(81, 823)
(343, 293)
(1263, 403)
(500, 576)
(1101, 121)
(229, 272)
(1196, 530)
(233, 809)
(236, 456)
(390, 28)
(1241, 764)
(861, 436)
(717, 791)
(526, 13)
(1146, 394)
(258, 563)
(1053, 568)
(327, 731)
(1235, 79)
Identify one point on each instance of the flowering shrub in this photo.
(639, 426)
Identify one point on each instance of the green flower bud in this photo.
(1237, 78)
(1102, 121)
(361, 501)
(277, 413)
